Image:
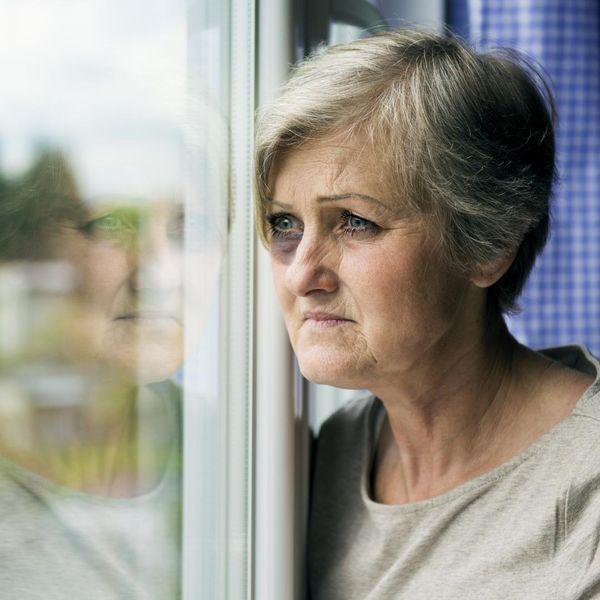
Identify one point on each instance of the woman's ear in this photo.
(487, 274)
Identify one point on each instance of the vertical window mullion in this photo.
(277, 561)
(239, 302)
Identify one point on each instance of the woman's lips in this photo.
(321, 320)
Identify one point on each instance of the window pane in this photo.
(94, 188)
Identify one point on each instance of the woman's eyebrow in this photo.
(279, 203)
(350, 195)
(335, 198)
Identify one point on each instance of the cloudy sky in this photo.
(102, 79)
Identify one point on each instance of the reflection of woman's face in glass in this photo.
(129, 287)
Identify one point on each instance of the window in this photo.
(124, 352)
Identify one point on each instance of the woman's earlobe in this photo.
(489, 273)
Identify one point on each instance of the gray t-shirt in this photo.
(528, 529)
(58, 544)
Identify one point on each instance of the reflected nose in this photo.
(158, 263)
(313, 268)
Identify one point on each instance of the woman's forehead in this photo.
(330, 167)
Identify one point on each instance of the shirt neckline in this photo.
(374, 421)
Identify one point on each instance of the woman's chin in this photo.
(335, 369)
(147, 366)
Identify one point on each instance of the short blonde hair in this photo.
(467, 139)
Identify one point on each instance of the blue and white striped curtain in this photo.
(561, 302)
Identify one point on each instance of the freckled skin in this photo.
(376, 268)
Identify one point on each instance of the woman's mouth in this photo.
(322, 320)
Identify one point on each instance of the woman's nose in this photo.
(313, 268)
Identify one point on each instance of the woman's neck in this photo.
(480, 407)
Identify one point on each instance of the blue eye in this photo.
(353, 224)
(282, 225)
(356, 222)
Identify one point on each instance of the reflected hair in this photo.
(465, 138)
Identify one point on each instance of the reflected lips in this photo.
(147, 315)
(321, 320)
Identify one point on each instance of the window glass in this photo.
(107, 237)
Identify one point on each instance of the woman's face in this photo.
(364, 292)
(128, 263)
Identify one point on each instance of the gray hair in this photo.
(467, 139)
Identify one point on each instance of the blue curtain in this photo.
(561, 303)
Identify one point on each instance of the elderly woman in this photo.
(403, 193)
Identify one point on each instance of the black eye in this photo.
(283, 225)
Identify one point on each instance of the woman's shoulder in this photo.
(572, 447)
(576, 445)
(581, 370)
(581, 505)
